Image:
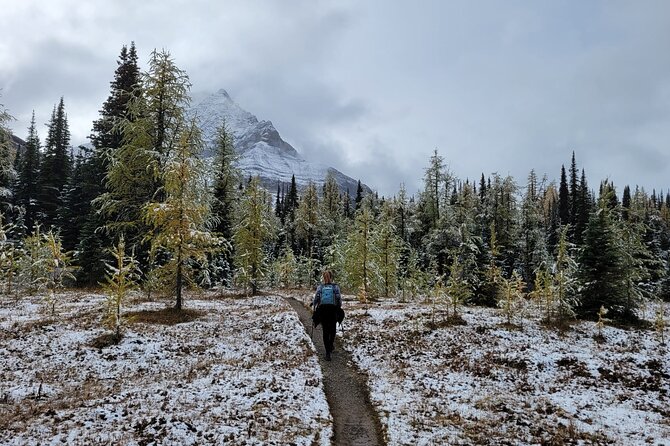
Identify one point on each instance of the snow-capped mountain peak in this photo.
(262, 150)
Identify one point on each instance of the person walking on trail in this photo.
(327, 305)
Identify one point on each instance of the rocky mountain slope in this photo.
(262, 150)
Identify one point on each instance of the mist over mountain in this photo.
(262, 151)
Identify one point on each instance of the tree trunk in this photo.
(179, 282)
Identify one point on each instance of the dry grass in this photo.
(165, 316)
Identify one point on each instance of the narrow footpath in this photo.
(354, 419)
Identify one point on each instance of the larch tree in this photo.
(254, 229)
(152, 128)
(180, 221)
(359, 250)
(387, 251)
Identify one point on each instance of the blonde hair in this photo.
(327, 277)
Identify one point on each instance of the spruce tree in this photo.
(55, 167)
(601, 266)
(226, 178)
(7, 155)
(151, 130)
(564, 199)
(359, 195)
(574, 192)
(26, 186)
(106, 138)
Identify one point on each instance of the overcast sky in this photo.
(373, 87)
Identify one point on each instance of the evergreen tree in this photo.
(26, 186)
(601, 266)
(152, 130)
(359, 195)
(564, 281)
(574, 192)
(106, 138)
(564, 199)
(625, 202)
(534, 251)
(7, 155)
(55, 166)
(583, 210)
(226, 177)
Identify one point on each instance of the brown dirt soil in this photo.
(355, 423)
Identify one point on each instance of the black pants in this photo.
(328, 315)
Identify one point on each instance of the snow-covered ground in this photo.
(243, 372)
(482, 383)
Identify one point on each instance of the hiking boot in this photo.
(328, 358)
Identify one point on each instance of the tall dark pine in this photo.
(359, 195)
(106, 138)
(55, 167)
(7, 172)
(574, 191)
(106, 134)
(564, 199)
(26, 187)
(584, 206)
(482, 188)
(226, 177)
(625, 202)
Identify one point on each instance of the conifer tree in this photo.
(459, 290)
(534, 251)
(359, 195)
(152, 129)
(583, 209)
(601, 270)
(121, 278)
(179, 222)
(387, 250)
(564, 199)
(330, 211)
(106, 138)
(226, 178)
(306, 220)
(254, 229)
(55, 166)
(26, 186)
(574, 192)
(7, 155)
(57, 268)
(564, 280)
(359, 250)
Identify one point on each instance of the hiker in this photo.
(327, 306)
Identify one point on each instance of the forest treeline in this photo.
(143, 196)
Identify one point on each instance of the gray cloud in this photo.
(372, 88)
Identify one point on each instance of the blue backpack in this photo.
(327, 295)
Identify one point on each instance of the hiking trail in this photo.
(354, 420)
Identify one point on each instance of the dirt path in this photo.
(354, 420)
